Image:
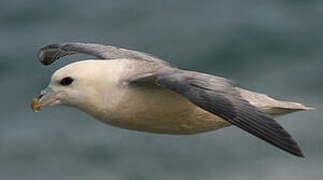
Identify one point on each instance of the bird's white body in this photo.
(156, 110)
(107, 98)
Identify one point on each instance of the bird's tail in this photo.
(270, 106)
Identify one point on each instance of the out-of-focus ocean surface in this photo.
(273, 47)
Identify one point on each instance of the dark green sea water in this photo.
(273, 47)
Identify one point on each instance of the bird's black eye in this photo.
(66, 81)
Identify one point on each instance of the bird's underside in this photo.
(160, 98)
(159, 110)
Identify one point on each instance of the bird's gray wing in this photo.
(220, 97)
(50, 53)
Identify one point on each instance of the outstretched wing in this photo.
(50, 53)
(220, 97)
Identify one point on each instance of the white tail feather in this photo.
(270, 106)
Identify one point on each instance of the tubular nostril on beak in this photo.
(40, 96)
(42, 93)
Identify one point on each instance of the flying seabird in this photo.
(137, 91)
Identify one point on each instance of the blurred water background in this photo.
(273, 47)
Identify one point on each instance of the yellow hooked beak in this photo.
(47, 98)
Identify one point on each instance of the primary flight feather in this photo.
(138, 91)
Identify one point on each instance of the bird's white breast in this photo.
(150, 109)
(159, 111)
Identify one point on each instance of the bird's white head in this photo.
(81, 84)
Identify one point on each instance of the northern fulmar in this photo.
(137, 91)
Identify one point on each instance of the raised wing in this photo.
(50, 53)
(220, 97)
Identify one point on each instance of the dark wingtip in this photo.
(45, 60)
(299, 153)
(294, 149)
(46, 55)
